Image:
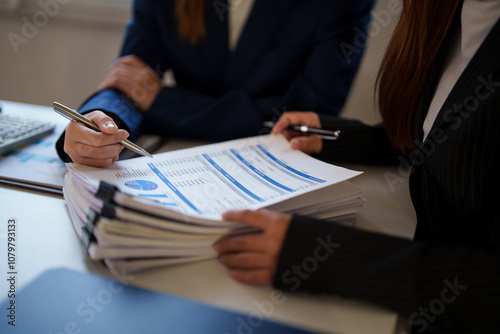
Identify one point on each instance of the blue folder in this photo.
(65, 301)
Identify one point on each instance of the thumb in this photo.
(103, 122)
(307, 144)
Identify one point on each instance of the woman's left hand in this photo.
(135, 78)
(253, 258)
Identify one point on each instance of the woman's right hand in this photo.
(88, 147)
(309, 144)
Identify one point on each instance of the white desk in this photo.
(45, 239)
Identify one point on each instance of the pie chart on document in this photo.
(141, 185)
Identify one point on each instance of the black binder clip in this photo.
(87, 236)
(106, 191)
(108, 210)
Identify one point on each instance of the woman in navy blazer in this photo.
(295, 55)
(446, 280)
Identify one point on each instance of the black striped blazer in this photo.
(448, 278)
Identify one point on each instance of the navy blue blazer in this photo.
(292, 54)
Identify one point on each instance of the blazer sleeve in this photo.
(357, 143)
(444, 289)
(142, 38)
(322, 86)
(142, 35)
(329, 70)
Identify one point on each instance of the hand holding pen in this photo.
(303, 130)
(94, 139)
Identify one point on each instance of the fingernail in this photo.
(109, 125)
(217, 248)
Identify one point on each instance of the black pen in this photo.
(324, 134)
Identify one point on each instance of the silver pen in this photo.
(324, 134)
(76, 117)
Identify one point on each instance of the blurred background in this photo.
(59, 50)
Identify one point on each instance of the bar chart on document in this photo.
(36, 164)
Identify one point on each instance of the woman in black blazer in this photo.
(439, 95)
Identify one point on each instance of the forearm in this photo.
(358, 143)
(441, 288)
(179, 112)
(118, 106)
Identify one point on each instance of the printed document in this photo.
(207, 180)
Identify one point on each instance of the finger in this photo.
(81, 149)
(283, 122)
(242, 243)
(247, 260)
(79, 134)
(259, 219)
(121, 81)
(254, 277)
(139, 72)
(96, 156)
(141, 86)
(130, 60)
(296, 118)
(120, 73)
(90, 137)
(105, 123)
(101, 152)
(307, 144)
(95, 162)
(144, 77)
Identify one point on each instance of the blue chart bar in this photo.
(141, 185)
(172, 187)
(158, 196)
(293, 170)
(233, 181)
(25, 157)
(258, 172)
(44, 143)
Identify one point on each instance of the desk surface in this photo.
(45, 239)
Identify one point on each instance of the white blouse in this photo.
(239, 11)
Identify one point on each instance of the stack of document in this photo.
(142, 213)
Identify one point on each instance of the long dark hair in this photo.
(413, 47)
(191, 19)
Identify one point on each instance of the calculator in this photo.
(16, 131)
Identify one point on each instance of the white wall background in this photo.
(65, 52)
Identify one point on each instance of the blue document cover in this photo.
(65, 301)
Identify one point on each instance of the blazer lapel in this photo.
(478, 71)
(255, 39)
(433, 77)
